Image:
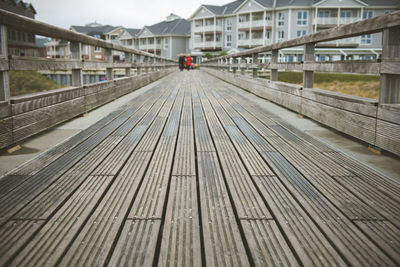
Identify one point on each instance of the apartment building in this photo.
(20, 43)
(129, 38)
(168, 38)
(245, 24)
(96, 30)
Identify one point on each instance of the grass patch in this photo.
(28, 82)
(351, 84)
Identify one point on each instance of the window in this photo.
(345, 14)
(228, 40)
(281, 35)
(242, 19)
(302, 17)
(268, 34)
(366, 39)
(229, 25)
(97, 49)
(323, 14)
(241, 36)
(281, 19)
(97, 36)
(301, 33)
(267, 16)
(166, 43)
(367, 14)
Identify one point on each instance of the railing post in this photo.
(146, 66)
(274, 61)
(109, 59)
(4, 78)
(234, 68)
(242, 65)
(77, 74)
(139, 67)
(128, 59)
(255, 69)
(308, 74)
(390, 79)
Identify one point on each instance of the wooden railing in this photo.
(375, 122)
(23, 116)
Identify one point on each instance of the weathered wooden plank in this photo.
(35, 63)
(322, 209)
(96, 240)
(184, 163)
(310, 244)
(222, 242)
(180, 244)
(385, 234)
(371, 178)
(268, 247)
(21, 104)
(350, 241)
(14, 235)
(136, 246)
(48, 245)
(49, 201)
(6, 133)
(360, 105)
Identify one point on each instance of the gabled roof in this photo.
(174, 27)
(285, 3)
(132, 32)
(382, 2)
(225, 9)
(93, 30)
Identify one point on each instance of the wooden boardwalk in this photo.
(191, 174)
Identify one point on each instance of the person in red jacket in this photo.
(188, 62)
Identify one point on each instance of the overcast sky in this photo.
(127, 13)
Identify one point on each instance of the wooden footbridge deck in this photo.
(191, 173)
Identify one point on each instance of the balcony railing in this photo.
(254, 42)
(149, 46)
(200, 44)
(254, 23)
(334, 20)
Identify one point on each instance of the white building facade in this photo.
(245, 24)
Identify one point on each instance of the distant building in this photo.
(129, 38)
(41, 45)
(105, 32)
(168, 38)
(245, 24)
(58, 48)
(20, 43)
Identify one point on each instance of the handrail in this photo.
(25, 24)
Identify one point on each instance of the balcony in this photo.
(208, 28)
(254, 42)
(352, 42)
(254, 24)
(333, 21)
(149, 46)
(207, 45)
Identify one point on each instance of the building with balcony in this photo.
(105, 32)
(20, 43)
(245, 24)
(56, 48)
(129, 38)
(168, 38)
